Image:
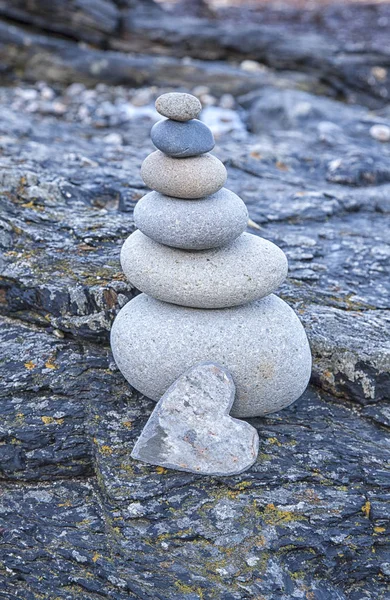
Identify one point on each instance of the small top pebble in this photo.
(178, 106)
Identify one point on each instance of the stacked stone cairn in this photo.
(207, 339)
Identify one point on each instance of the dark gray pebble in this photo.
(181, 140)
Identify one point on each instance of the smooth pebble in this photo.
(201, 224)
(181, 140)
(248, 269)
(194, 177)
(178, 106)
(262, 344)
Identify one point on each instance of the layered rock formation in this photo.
(79, 518)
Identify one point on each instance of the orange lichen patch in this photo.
(127, 424)
(256, 155)
(86, 248)
(119, 277)
(66, 503)
(366, 508)
(96, 556)
(50, 364)
(161, 470)
(106, 450)
(281, 166)
(273, 515)
(378, 529)
(273, 440)
(47, 420)
(30, 365)
(31, 204)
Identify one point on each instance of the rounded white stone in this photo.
(193, 177)
(262, 344)
(380, 133)
(248, 269)
(201, 224)
(178, 106)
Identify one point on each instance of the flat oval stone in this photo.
(248, 269)
(262, 344)
(210, 222)
(178, 106)
(194, 177)
(181, 140)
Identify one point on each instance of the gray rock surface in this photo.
(196, 225)
(262, 344)
(178, 106)
(181, 140)
(194, 177)
(245, 270)
(191, 430)
(79, 518)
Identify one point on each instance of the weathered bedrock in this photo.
(79, 518)
(262, 344)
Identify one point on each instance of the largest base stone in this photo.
(262, 344)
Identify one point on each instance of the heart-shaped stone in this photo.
(191, 430)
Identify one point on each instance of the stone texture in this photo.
(191, 430)
(262, 344)
(194, 177)
(152, 47)
(248, 269)
(81, 519)
(181, 140)
(196, 225)
(178, 106)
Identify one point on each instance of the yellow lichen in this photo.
(50, 364)
(30, 365)
(273, 440)
(273, 515)
(47, 420)
(187, 589)
(366, 508)
(66, 503)
(161, 470)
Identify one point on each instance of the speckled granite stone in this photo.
(181, 140)
(194, 177)
(248, 269)
(191, 430)
(178, 106)
(192, 225)
(262, 344)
